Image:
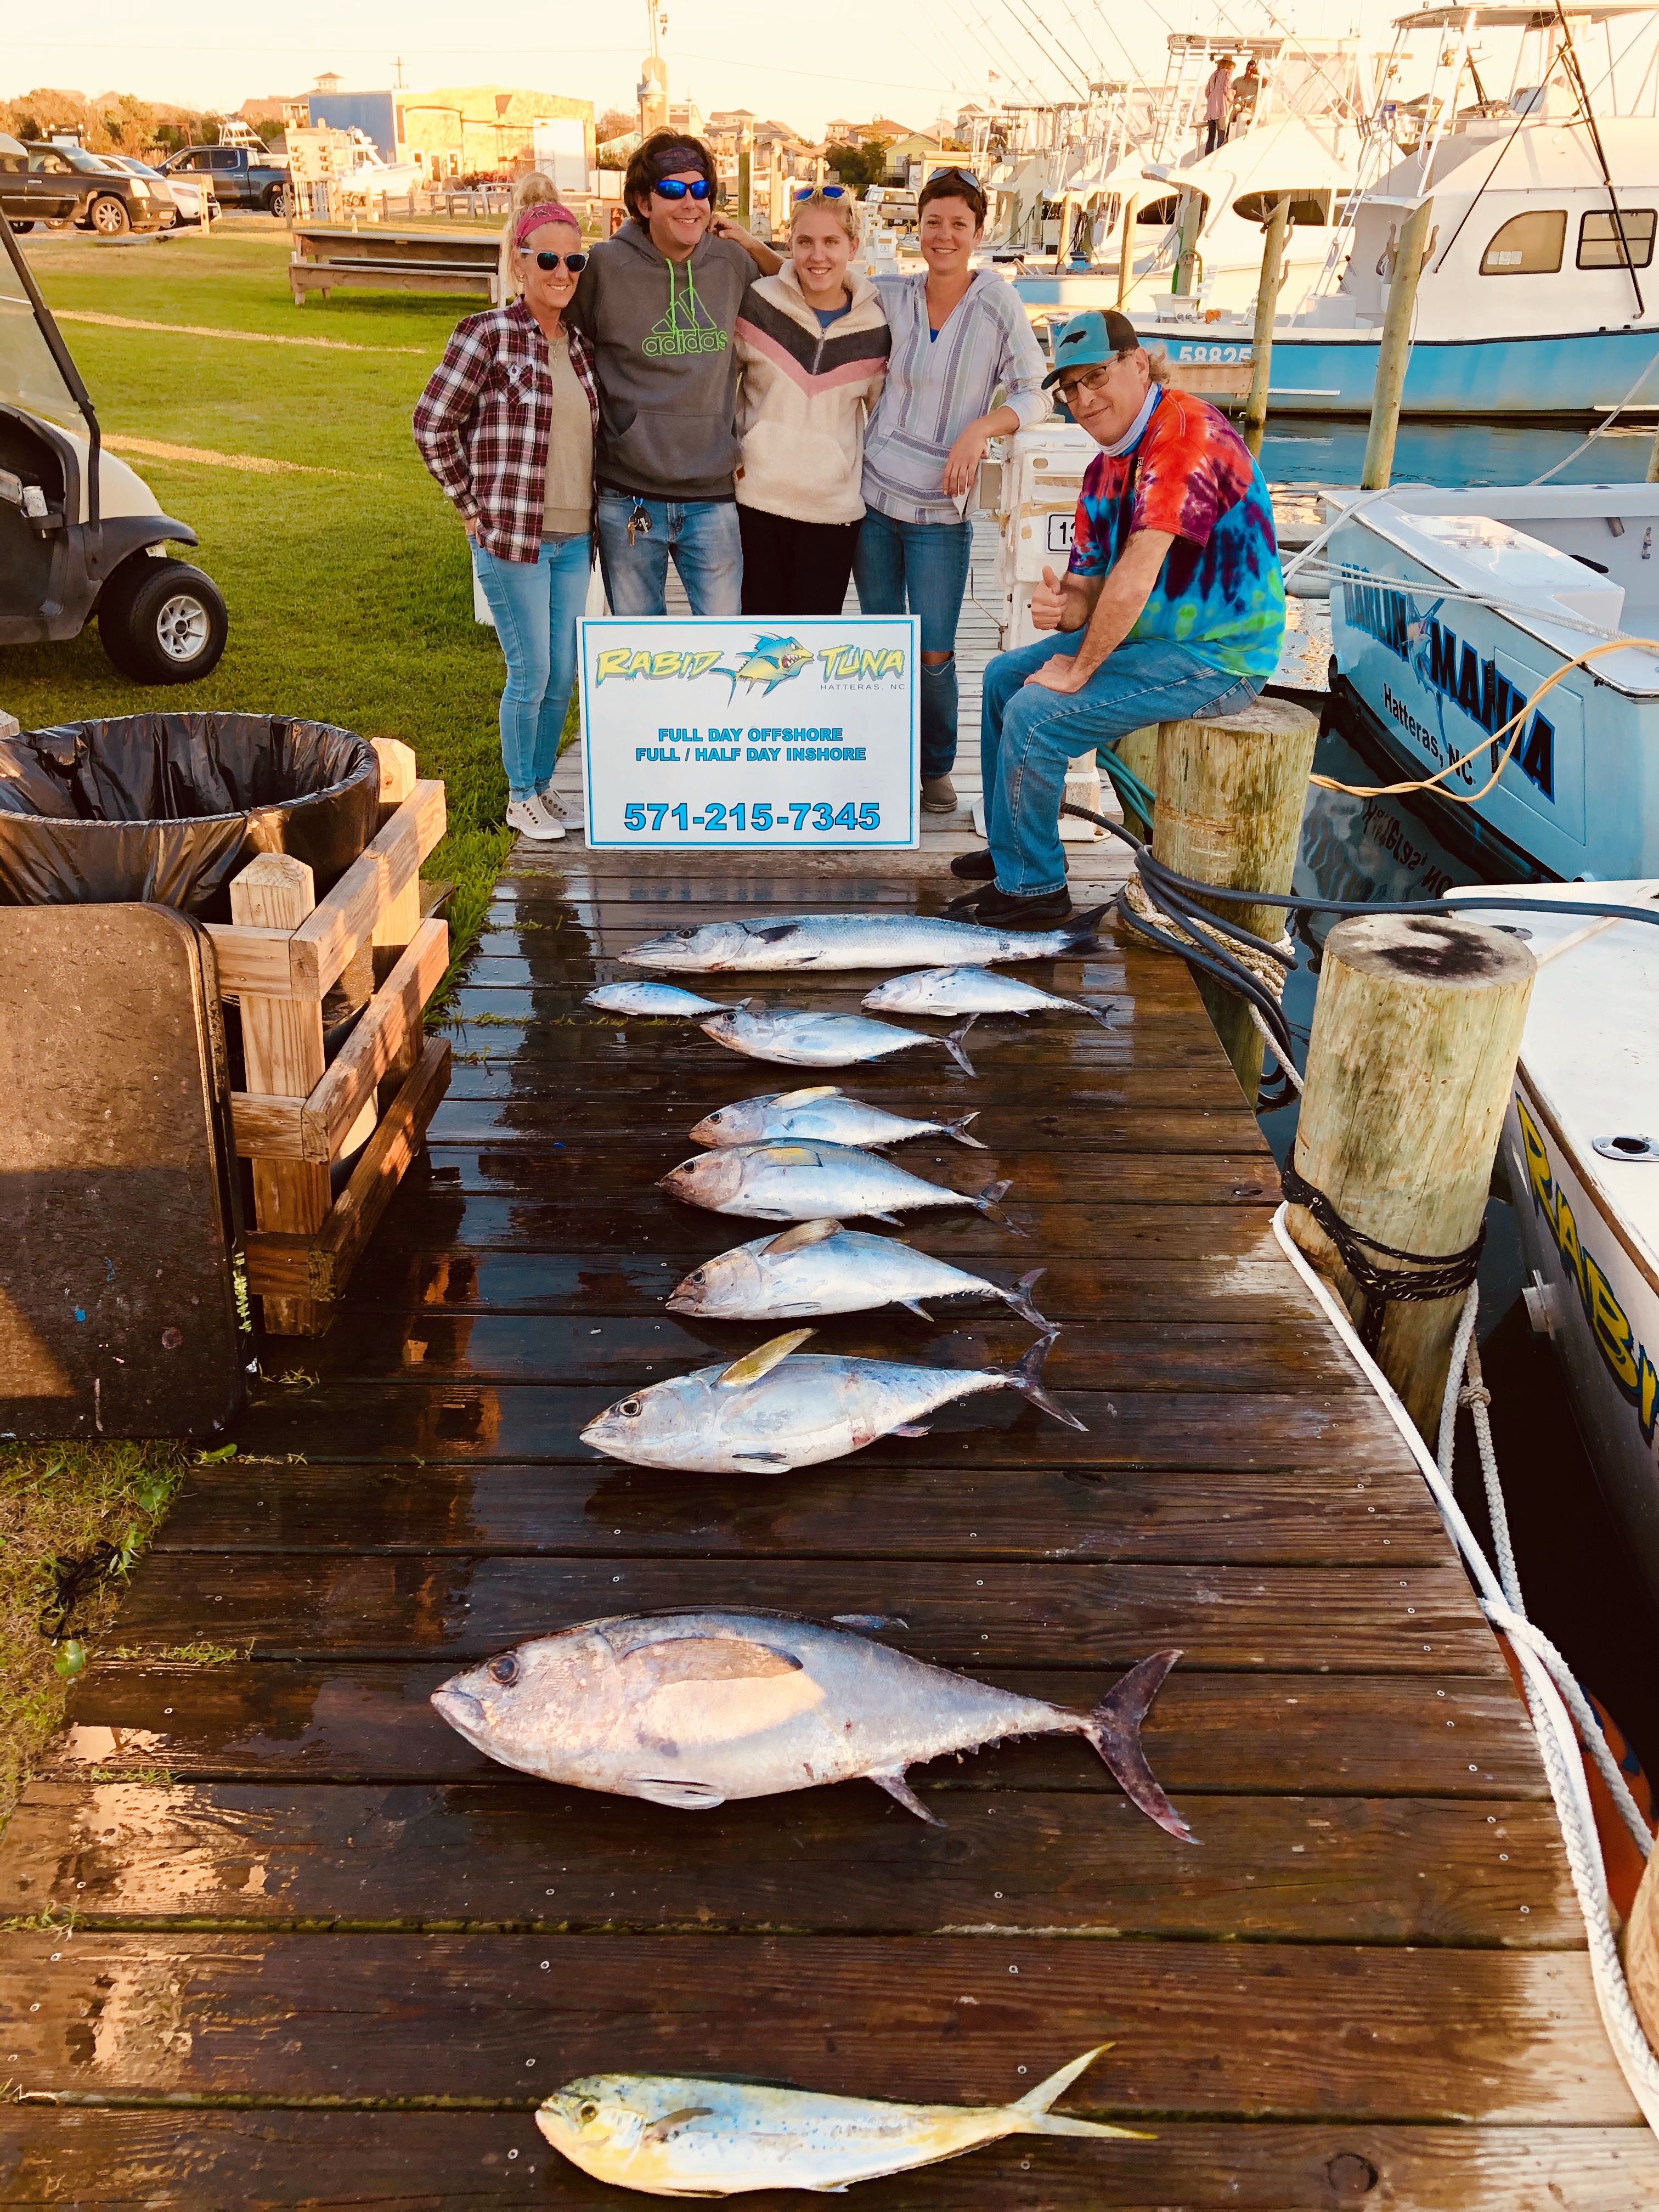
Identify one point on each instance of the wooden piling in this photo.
(1642, 1952)
(1394, 351)
(1126, 251)
(1230, 793)
(1267, 306)
(1416, 1030)
(1187, 253)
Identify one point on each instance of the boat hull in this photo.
(1601, 1306)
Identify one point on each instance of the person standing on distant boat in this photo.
(1217, 103)
(960, 338)
(507, 424)
(1172, 606)
(812, 345)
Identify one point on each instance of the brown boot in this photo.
(938, 795)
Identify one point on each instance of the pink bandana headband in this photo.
(539, 214)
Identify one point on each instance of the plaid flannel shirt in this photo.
(482, 424)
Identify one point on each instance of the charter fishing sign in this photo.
(753, 733)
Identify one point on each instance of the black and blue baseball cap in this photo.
(1091, 340)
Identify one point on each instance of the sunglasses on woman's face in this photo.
(575, 263)
(821, 192)
(676, 188)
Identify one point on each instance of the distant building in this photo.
(294, 108)
(463, 130)
(329, 81)
(914, 146)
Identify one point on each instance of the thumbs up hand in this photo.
(1048, 601)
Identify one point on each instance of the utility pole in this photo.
(400, 72)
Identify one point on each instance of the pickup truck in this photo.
(240, 176)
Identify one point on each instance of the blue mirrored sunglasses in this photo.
(575, 263)
(822, 192)
(676, 188)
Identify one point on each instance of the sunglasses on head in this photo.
(676, 188)
(821, 192)
(575, 263)
(975, 189)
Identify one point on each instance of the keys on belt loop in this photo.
(640, 520)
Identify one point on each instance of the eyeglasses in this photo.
(575, 263)
(676, 188)
(1090, 380)
(820, 193)
(975, 189)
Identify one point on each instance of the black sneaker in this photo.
(995, 906)
(977, 867)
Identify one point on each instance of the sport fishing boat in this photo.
(1457, 618)
(1532, 300)
(1581, 1148)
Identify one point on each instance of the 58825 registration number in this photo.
(719, 820)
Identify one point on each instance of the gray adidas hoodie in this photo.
(667, 369)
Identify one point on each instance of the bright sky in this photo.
(845, 58)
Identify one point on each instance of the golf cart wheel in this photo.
(163, 622)
(275, 202)
(108, 216)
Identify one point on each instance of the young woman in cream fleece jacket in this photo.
(812, 345)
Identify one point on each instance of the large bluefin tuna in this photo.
(767, 1413)
(815, 1040)
(693, 1708)
(972, 991)
(684, 2135)
(819, 1267)
(825, 941)
(808, 1183)
(825, 1112)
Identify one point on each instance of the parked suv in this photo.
(240, 176)
(108, 200)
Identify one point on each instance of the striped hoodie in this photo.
(805, 395)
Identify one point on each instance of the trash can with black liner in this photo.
(168, 807)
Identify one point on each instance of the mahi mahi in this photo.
(805, 1182)
(815, 1040)
(695, 1709)
(766, 1412)
(643, 998)
(684, 2135)
(825, 941)
(971, 991)
(819, 1267)
(824, 1112)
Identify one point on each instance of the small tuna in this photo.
(668, 2135)
(694, 1708)
(819, 1267)
(808, 1183)
(651, 998)
(767, 1413)
(826, 941)
(814, 1040)
(771, 660)
(972, 991)
(825, 1112)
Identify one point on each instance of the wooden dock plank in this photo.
(1313, 1869)
(496, 2162)
(1272, 1733)
(1277, 2031)
(1417, 1620)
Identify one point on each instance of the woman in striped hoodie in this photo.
(812, 349)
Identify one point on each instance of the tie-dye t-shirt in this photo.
(1219, 592)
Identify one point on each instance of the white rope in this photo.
(1564, 1767)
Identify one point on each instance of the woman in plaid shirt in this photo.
(506, 425)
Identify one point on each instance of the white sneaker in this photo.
(531, 819)
(554, 805)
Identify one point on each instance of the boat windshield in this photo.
(29, 377)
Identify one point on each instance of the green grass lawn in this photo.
(350, 601)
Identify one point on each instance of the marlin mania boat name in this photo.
(1439, 659)
(1625, 1360)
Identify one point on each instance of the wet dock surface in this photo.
(359, 1953)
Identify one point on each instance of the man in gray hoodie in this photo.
(658, 303)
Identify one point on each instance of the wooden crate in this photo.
(278, 956)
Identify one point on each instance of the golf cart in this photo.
(80, 533)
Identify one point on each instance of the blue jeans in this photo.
(703, 537)
(1028, 734)
(536, 603)
(920, 568)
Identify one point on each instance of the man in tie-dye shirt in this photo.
(1172, 605)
